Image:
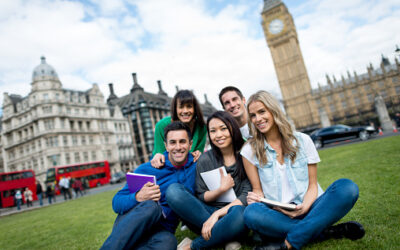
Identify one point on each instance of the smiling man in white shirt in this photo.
(233, 102)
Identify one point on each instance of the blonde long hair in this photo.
(289, 148)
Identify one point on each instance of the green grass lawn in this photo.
(374, 165)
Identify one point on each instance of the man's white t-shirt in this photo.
(245, 131)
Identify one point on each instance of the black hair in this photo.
(237, 140)
(227, 89)
(173, 126)
(186, 96)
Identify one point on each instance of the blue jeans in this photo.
(139, 228)
(40, 196)
(195, 212)
(19, 201)
(327, 209)
(49, 197)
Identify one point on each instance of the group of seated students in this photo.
(263, 157)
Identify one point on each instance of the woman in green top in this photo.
(184, 108)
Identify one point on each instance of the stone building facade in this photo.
(53, 126)
(143, 110)
(349, 100)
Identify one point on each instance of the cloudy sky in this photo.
(202, 45)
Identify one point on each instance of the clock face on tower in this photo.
(275, 26)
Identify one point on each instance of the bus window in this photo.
(68, 169)
(101, 164)
(61, 170)
(16, 176)
(27, 174)
(98, 176)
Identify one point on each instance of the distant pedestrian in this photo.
(18, 199)
(39, 192)
(72, 188)
(69, 188)
(85, 185)
(55, 189)
(49, 192)
(64, 185)
(78, 187)
(28, 197)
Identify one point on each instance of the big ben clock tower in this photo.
(281, 36)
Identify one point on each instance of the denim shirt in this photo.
(297, 174)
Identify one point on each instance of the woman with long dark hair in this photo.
(217, 221)
(282, 166)
(184, 108)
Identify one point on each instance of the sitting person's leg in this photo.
(330, 207)
(195, 212)
(334, 204)
(229, 228)
(129, 227)
(268, 222)
(190, 209)
(158, 238)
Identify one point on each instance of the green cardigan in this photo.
(199, 137)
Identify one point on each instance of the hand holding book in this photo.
(149, 191)
(213, 181)
(227, 181)
(272, 203)
(145, 187)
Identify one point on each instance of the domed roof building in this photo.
(44, 71)
(44, 77)
(54, 126)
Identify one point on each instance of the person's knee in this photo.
(348, 189)
(251, 215)
(236, 213)
(174, 193)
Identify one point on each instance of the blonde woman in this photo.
(281, 165)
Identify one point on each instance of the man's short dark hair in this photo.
(178, 125)
(227, 89)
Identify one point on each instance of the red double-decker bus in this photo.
(97, 173)
(12, 181)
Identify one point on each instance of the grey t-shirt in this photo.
(207, 162)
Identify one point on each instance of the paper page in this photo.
(212, 179)
(272, 203)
